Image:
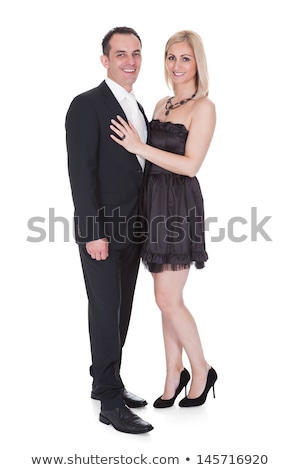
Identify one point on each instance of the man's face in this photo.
(124, 60)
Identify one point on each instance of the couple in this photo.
(124, 171)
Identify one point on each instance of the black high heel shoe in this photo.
(210, 383)
(184, 379)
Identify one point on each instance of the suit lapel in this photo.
(111, 101)
(116, 108)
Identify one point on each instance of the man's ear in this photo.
(104, 61)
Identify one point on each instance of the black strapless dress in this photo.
(173, 207)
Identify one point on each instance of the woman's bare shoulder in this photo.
(204, 105)
(203, 115)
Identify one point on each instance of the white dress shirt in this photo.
(120, 94)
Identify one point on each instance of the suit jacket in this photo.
(105, 178)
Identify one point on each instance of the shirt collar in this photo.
(119, 92)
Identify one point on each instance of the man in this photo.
(105, 181)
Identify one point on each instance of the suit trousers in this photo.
(110, 286)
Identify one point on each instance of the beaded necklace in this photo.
(169, 106)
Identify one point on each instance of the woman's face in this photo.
(181, 63)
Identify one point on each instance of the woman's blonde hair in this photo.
(194, 40)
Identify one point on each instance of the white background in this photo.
(245, 301)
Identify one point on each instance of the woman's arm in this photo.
(199, 138)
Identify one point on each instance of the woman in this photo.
(180, 134)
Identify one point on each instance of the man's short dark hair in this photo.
(117, 30)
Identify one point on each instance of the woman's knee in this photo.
(167, 304)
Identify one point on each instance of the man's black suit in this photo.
(106, 181)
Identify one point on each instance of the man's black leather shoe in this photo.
(131, 400)
(124, 420)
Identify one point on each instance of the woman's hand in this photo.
(128, 135)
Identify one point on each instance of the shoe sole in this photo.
(130, 405)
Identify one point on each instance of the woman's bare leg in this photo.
(173, 353)
(179, 331)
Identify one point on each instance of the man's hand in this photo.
(98, 249)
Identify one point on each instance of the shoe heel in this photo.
(183, 381)
(210, 383)
(103, 419)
